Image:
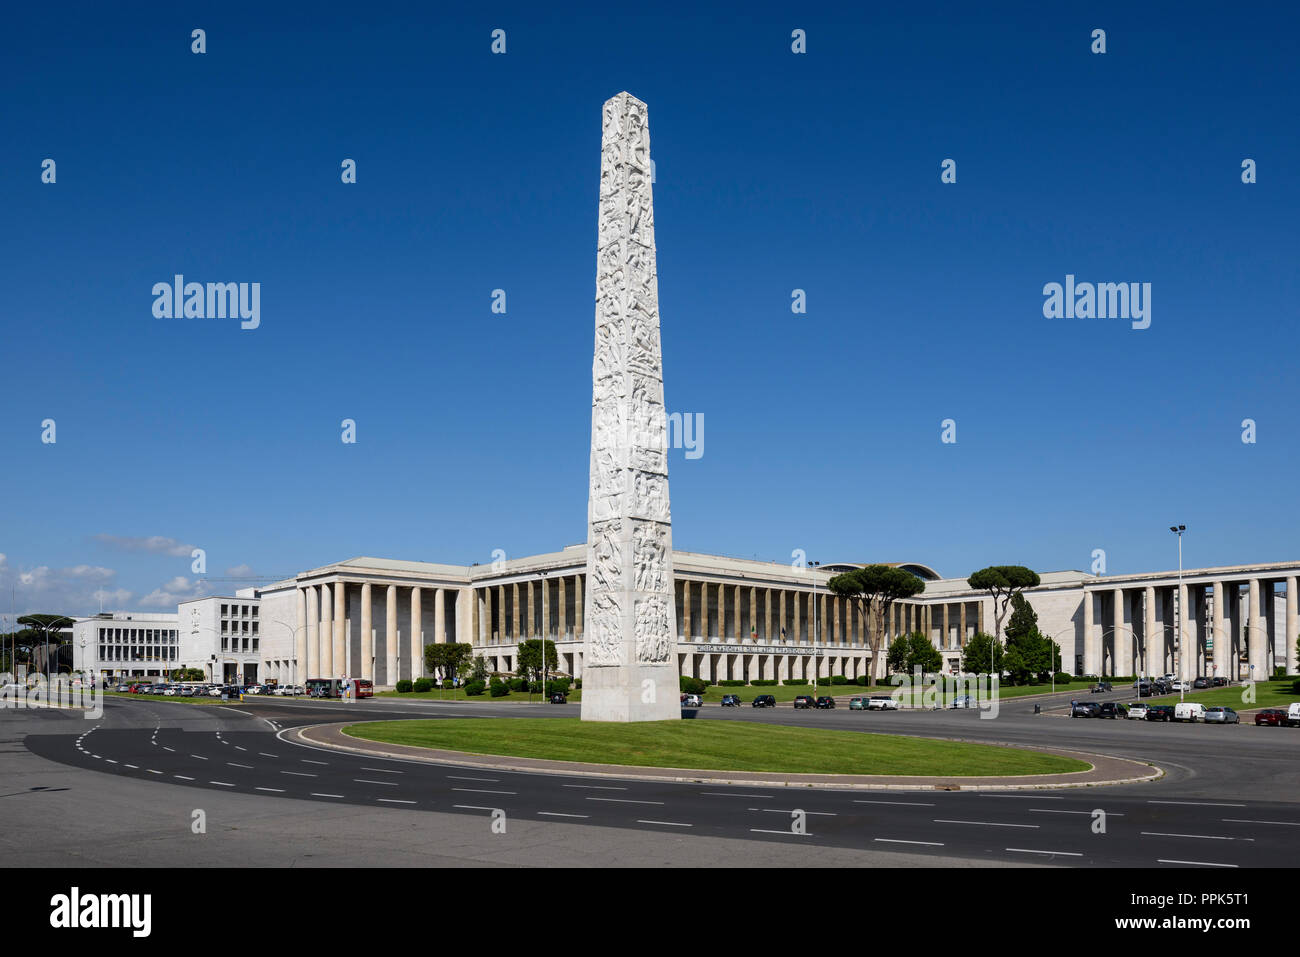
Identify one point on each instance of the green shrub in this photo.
(732, 683)
(403, 686)
(578, 683)
(795, 682)
(518, 684)
(863, 680)
(557, 684)
(688, 685)
(423, 684)
(763, 682)
(498, 688)
(475, 687)
(1061, 677)
(839, 680)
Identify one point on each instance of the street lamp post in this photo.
(817, 664)
(1178, 619)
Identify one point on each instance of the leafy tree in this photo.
(1002, 582)
(907, 652)
(476, 670)
(446, 659)
(975, 656)
(1023, 620)
(530, 658)
(875, 588)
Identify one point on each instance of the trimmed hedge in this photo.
(498, 688)
(796, 682)
(689, 685)
(403, 686)
(474, 688)
(731, 683)
(839, 680)
(518, 684)
(764, 682)
(423, 684)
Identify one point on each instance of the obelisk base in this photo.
(631, 693)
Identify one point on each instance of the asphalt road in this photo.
(1228, 799)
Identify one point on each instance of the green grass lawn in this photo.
(1268, 694)
(715, 745)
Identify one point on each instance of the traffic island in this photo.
(726, 753)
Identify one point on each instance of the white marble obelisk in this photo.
(629, 668)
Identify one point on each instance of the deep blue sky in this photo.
(774, 171)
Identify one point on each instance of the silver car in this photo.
(1221, 716)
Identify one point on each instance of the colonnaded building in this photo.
(742, 619)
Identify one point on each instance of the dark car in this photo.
(805, 701)
(1110, 709)
(1218, 681)
(1271, 716)
(731, 701)
(1099, 687)
(1160, 712)
(1201, 683)
(825, 702)
(559, 697)
(1085, 709)
(764, 701)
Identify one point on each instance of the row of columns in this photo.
(1183, 632)
(502, 614)
(751, 666)
(322, 638)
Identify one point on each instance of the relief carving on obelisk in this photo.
(630, 621)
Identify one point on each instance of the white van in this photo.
(1293, 714)
(1189, 711)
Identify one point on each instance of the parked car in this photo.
(173, 691)
(825, 701)
(805, 701)
(962, 701)
(1137, 710)
(731, 701)
(1143, 688)
(858, 704)
(1221, 716)
(1218, 681)
(1161, 686)
(1271, 716)
(1111, 709)
(288, 690)
(1160, 712)
(1192, 711)
(1085, 709)
(1100, 686)
(882, 702)
(1201, 682)
(125, 689)
(688, 701)
(763, 701)
(1178, 684)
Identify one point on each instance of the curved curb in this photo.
(331, 737)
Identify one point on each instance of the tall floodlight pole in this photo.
(1178, 619)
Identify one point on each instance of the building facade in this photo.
(743, 619)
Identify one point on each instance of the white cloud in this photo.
(241, 571)
(173, 592)
(155, 543)
(73, 591)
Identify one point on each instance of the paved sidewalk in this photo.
(1104, 770)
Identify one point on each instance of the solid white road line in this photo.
(890, 840)
(594, 787)
(224, 784)
(1044, 810)
(272, 790)
(1196, 803)
(1026, 850)
(310, 761)
(395, 801)
(759, 830)
(624, 801)
(234, 765)
(724, 794)
(1236, 820)
(152, 771)
(665, 823)
(484, 791)
(473, 807)
(1161, 860)
(132, 766)
(387, 784)
(265, 755)
(316, 794)
(781, 810)
(383, 770)
(1202, 837)
(182, 777)
(1021, 797)
(902, 803)
(459, 777)
(561, 814)
(299, 774)
(199, 756)
(939, 820)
